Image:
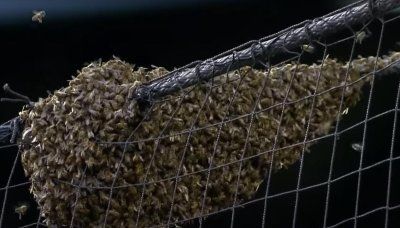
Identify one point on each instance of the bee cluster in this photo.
(73, 134)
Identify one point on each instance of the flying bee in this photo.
(21, 209)
(357, 146)
(38, 15)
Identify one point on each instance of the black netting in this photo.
(304, 118)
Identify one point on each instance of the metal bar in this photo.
(247, 54)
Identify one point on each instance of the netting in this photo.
(295, 129)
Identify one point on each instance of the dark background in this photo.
(40, 57)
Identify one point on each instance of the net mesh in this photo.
(295, 129)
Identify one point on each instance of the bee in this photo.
(308, 48)
(281, 165)
(360, 36)
(38, 15)
(357, 146)
(21, 209)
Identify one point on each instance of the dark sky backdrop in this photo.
(40, 57)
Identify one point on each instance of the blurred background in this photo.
(39, 57)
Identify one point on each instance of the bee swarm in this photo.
(66, 158)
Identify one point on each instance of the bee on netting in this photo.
(346, 111)
(38, 15)
(21, 209)
(308, 48)
(360, 36)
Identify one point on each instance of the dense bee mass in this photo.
(203, 135)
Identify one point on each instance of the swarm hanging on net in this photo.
(65, 131)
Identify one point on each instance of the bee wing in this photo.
(38, 15)
(37, 18)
